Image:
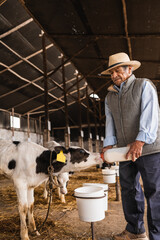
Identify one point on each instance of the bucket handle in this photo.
(90, 197)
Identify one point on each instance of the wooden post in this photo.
(28, 127)
(90, 146)
(35, 123)
(40, 130)
(117, 188)
(96, 130)
(46, 135)
(80, 138)
(100, 125)
(36, 129)
(67, 129)
(13, 124)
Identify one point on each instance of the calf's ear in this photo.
(60, 148)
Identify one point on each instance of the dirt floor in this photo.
(63, 222)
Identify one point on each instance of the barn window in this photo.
(15, 122)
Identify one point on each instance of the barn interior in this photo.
(52, 55)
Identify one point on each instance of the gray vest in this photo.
(126, 111)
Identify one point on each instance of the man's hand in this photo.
(135, 150)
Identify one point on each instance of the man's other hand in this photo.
(135, 150)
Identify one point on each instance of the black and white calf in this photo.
(27, 164)
(61, 181)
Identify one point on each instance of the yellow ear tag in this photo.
(61, 157)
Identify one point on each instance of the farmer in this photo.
(132, 117)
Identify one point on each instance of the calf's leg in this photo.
(60, 195)
(31, 221)
(21, 190)
(45, 193)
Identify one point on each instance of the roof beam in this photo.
(60, 99)
(81, 13)
(30, 63)
(2, 1)
(25, 79)
(96, 91)
(126, 28)
(27, 61)
(104, 36)
(106, 60)
(69, 93)
(79, 80)
(73, 56)
(37, 96)
(3, 35)
(22, 59)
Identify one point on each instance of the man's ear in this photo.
(60, 148)
(130, 68)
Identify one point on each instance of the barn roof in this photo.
(85, 33)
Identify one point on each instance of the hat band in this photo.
(114, 65)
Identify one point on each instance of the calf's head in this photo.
(79, 159)
(76, 159)
(63, 179)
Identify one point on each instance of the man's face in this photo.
(120, 74)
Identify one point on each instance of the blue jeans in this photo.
(133, 198)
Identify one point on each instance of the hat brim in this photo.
(135, 64)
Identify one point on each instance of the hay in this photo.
(59, 224)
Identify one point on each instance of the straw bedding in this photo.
(63, 221)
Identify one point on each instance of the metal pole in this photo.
(12, 124)
(96, 129)
(117, 188)
(92, 230)
(80, 116)
(90, 147)
(100, 124)
(46, 133)
(67, 130)
(28, 127)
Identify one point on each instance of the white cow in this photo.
(27, 165)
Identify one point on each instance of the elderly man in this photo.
(132, 117)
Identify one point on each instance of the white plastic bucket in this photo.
(109, 175)
(116, 168)
(105, 188)
(90, 203)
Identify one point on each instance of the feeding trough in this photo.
(90, 203)
(116, 168)
(105, 188)
(109, 175)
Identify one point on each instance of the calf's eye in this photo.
(81, 151)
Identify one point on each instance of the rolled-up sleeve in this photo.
(149, 114)
(110, 138)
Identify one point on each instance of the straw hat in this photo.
(120, 59)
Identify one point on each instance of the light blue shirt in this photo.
(148, 119)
